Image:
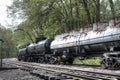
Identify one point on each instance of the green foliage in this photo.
(8, 47)
(51, 17)
(92, 61)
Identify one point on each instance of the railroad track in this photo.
(61, 72)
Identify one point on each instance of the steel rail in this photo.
(67, 71)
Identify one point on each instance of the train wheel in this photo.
(30, 59)
(41, 60)
(58, 60)
(64, 62)
(104, 66)
(113, 64)
(70, 62)
(53, 60)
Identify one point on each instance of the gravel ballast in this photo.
(10, 72)
(16, 74)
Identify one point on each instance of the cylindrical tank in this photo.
(43, 46)
(90, 41)
(31, 48)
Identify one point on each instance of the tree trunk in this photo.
(98, 11)
(87, 10)
(112, 7)
(71, 15)
(77, 14)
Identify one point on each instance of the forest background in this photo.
(52, 17)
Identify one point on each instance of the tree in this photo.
(8, 47)
(52, 17)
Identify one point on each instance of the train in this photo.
(102, 40)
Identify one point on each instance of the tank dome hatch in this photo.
(40, 38)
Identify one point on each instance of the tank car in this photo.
(37, 52)
(42, 50)
(91, 43)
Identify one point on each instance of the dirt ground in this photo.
(16, 74)
(7, 72)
